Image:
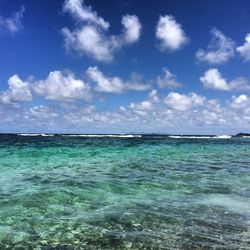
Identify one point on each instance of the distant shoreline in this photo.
(132, 135)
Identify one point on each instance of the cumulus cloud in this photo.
(153, 115)
(18, 91)
(90, 35)
(168, 80)
(81, 12)
(182, 102)
(241, 101)
(220, 49)
(213, 79)
(97, 119)
(208, 117)
(62, 86)
(142, 108)
(112, 84)
(176, 113)
(132, 28)
(13, 24)
(105, 84)
(88, 40)
(170, 33)
(241, 105)
(244, 50)
(40, 112)
(153, 96)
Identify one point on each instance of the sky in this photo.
(125, 66)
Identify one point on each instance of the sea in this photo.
(65, 192)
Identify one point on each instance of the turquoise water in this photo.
(124, 193)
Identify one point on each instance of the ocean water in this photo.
(65, 193)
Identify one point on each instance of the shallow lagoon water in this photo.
(124, 193)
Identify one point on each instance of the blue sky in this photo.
(77, 66)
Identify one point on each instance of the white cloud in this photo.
(131, 85)
(132, 28)
(176, 113)
(40, 112)
(18, 91)
(90, 115)
(142, 108)
(62, 86)
(112, 84)
(244, 50)
(170, 33)
(220, 50)
(241, 105)
(105, 84)
(168, 80)
(214, 105)
(88, 40)
(13, 24)
(153, 96)
(90, 36)
(240, 83)
(81, 12)
(182, 102)
(213, 79)
(241, 101)
(208, 117)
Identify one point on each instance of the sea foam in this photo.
(189, 137)
(222, 136)
(35, 134)
(199, 137)
(103, 136)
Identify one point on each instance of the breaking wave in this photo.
(200, 137)
(103, 136)
(189, 137)
(222, 136)
(35, 134)
(133, 136)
